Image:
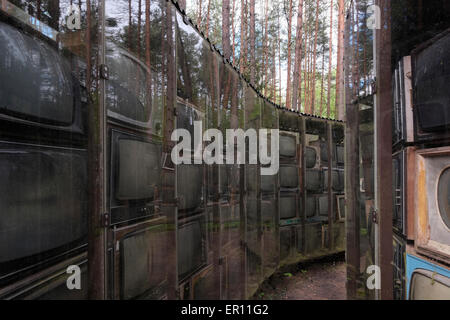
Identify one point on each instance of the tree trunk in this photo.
(226, 28)
(330, 60)
(289, 62)
(340, 98)
(313, 88)
(252, 43)
(298, 57)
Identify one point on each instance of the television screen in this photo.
(191, 255)
(36, 82)
(269, 183)
(127, 92)
(288, 207)
(337, 178)
(340, 155)
(310, 157)
(314, 180)
(310, 206)
(288, 146)
(189, 186)
(444, 196)
(289, 177)
(431, 79)
(143, 262)
(324, 152)
(43, 202)
(268, 210)
(323, 206)
(139, 171)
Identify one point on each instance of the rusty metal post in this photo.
(352, 182)
(96, 167)
(383, 150)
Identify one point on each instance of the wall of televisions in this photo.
(86, 116)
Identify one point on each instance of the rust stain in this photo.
(422, 204)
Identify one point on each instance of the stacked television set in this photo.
(420, 170)
(137, 235)
(86, 139)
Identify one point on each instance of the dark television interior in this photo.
(43, 202)
(310, 157)
(142, 262)
(191, 248)
(289, 177)
(323, 206)
(36, 81)
(269, 183)
(268, 210)
(127, 89)
(314, 180)
(139, 169)
(288, 146)
(340, 155)
(311, 206)
(337, 180)
(431, 79)
(189, 186)
(288, 207)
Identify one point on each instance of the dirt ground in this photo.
(317, 281)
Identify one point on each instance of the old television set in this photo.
(190, 187)
(311, 157)
(337, 180)
(431, 75)
(129, 89)
(135, 176)
(323, 207)
(340, 155)
(269, 210)
(288, 206)
(191, 246)
(43, 202)
(427, 285)
(288, 145)
(432, 202)
(403, 122)
(38, 88)
(269, 184)
(324, 158)
(289, 177)
(427, 280)
(143, 261)
(310, 207)
(314, 180)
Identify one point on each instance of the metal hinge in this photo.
(104, 72)
(374, 215)
(105, 221)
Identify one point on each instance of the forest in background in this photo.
(290, 50)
